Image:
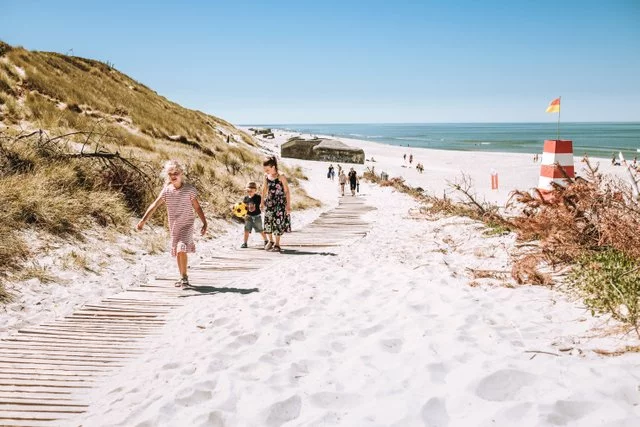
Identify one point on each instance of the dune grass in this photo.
(86, 106)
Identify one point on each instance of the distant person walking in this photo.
(331, 172)
(181, 200)
(353, 181)
(410, 158)
(276, 203)
(342, 180)
(404, 157)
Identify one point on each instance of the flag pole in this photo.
(559, 107)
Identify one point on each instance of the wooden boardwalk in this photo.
(47, 370)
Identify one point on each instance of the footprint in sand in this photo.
(333, 401)
(437, 372)
(372, 330)
(393, 345)
(216, 365)
(188, 370)
(213, 419)
(221, 321)
(284, 411)
(243, 340)
(504, 385)
(170, 366)
(338, 346)
(565, 411)
(192, 397)
(434, 413)
(296, 336)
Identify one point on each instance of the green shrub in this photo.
(609, 281)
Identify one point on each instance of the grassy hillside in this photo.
(81, 145)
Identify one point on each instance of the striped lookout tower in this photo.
(557, 152)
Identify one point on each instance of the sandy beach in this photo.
(515, 171)
(390, 331)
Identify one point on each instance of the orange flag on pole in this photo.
(554, 106)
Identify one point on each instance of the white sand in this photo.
(515, 171)
(388, 332)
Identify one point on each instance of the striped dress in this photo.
(181, 216)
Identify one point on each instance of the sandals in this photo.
(268, 246)
(276, 249)
(182, 283)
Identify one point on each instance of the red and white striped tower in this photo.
(556, 152)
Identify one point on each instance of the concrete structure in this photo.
(320, 149)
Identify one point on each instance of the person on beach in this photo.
(342, 180)
(353, 181)
(410, 158)
(404, 157)
(276, 202)
(330, 172)
(181, 200)
(253, 220)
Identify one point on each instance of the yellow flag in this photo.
(554, 106)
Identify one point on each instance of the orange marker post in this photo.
(494, 180)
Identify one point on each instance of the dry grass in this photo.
(37, 271)
(76, 260)
(55, 180)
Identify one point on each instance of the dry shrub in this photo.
(584, 216)
(526, 270)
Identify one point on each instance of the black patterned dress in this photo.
(276, 220)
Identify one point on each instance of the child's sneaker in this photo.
(244, 245)
(268, 246)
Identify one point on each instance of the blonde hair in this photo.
(172, 165)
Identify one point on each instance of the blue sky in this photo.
(358, 61)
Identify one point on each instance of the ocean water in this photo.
(595, 139)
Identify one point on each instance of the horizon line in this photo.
(430, 123)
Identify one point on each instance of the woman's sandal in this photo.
(276, 249)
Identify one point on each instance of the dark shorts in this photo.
(253, 223)
(353, 185)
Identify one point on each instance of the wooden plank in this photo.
(77, 337)
(10, 416)
(76, 332)
(49, 377)
(60, 356)
(148, 330)
(22, 383)
(23, 341)
(70, 363)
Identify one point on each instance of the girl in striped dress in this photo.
(181, 200)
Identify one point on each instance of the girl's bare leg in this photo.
(182, 263)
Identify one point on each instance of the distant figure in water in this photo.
(181, 200)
